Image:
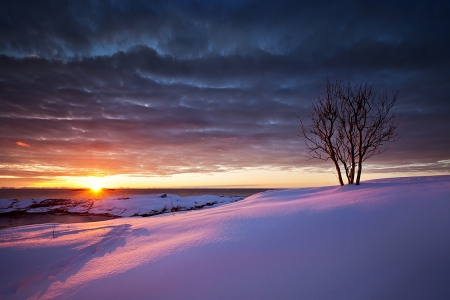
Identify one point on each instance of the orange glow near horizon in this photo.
(96, 189)
(95, 184)
(254, 178)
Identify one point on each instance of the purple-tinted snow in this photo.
(385, 239)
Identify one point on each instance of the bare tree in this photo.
(374, 121)
(321, 137)
(350, 124)
(347, 136)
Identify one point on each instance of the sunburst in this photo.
(95, 185)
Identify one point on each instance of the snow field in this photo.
(386, 239)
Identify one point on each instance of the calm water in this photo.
(21, 194)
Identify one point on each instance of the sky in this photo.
(207, 93)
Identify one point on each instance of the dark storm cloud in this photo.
(197, 28)
(148, 88)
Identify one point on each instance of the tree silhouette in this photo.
(349, 123)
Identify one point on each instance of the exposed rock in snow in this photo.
(142, 205)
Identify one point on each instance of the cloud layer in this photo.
(156, 88)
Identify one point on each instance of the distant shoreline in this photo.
(21, 219)
(15, 212)
(79, 194)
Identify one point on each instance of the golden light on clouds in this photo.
(22, 144)
(233, 179)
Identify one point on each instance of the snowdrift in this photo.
(385, 239)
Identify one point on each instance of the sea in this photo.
(82, 194)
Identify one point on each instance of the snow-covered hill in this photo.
(385, 239)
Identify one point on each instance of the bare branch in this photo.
(348, 124)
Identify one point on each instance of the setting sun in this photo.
(95, 185)
(96, 188)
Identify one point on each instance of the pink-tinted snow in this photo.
(385, 239)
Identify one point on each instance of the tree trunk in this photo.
(358, 177)
(352, 175)
(338, 170)
(347, 171)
